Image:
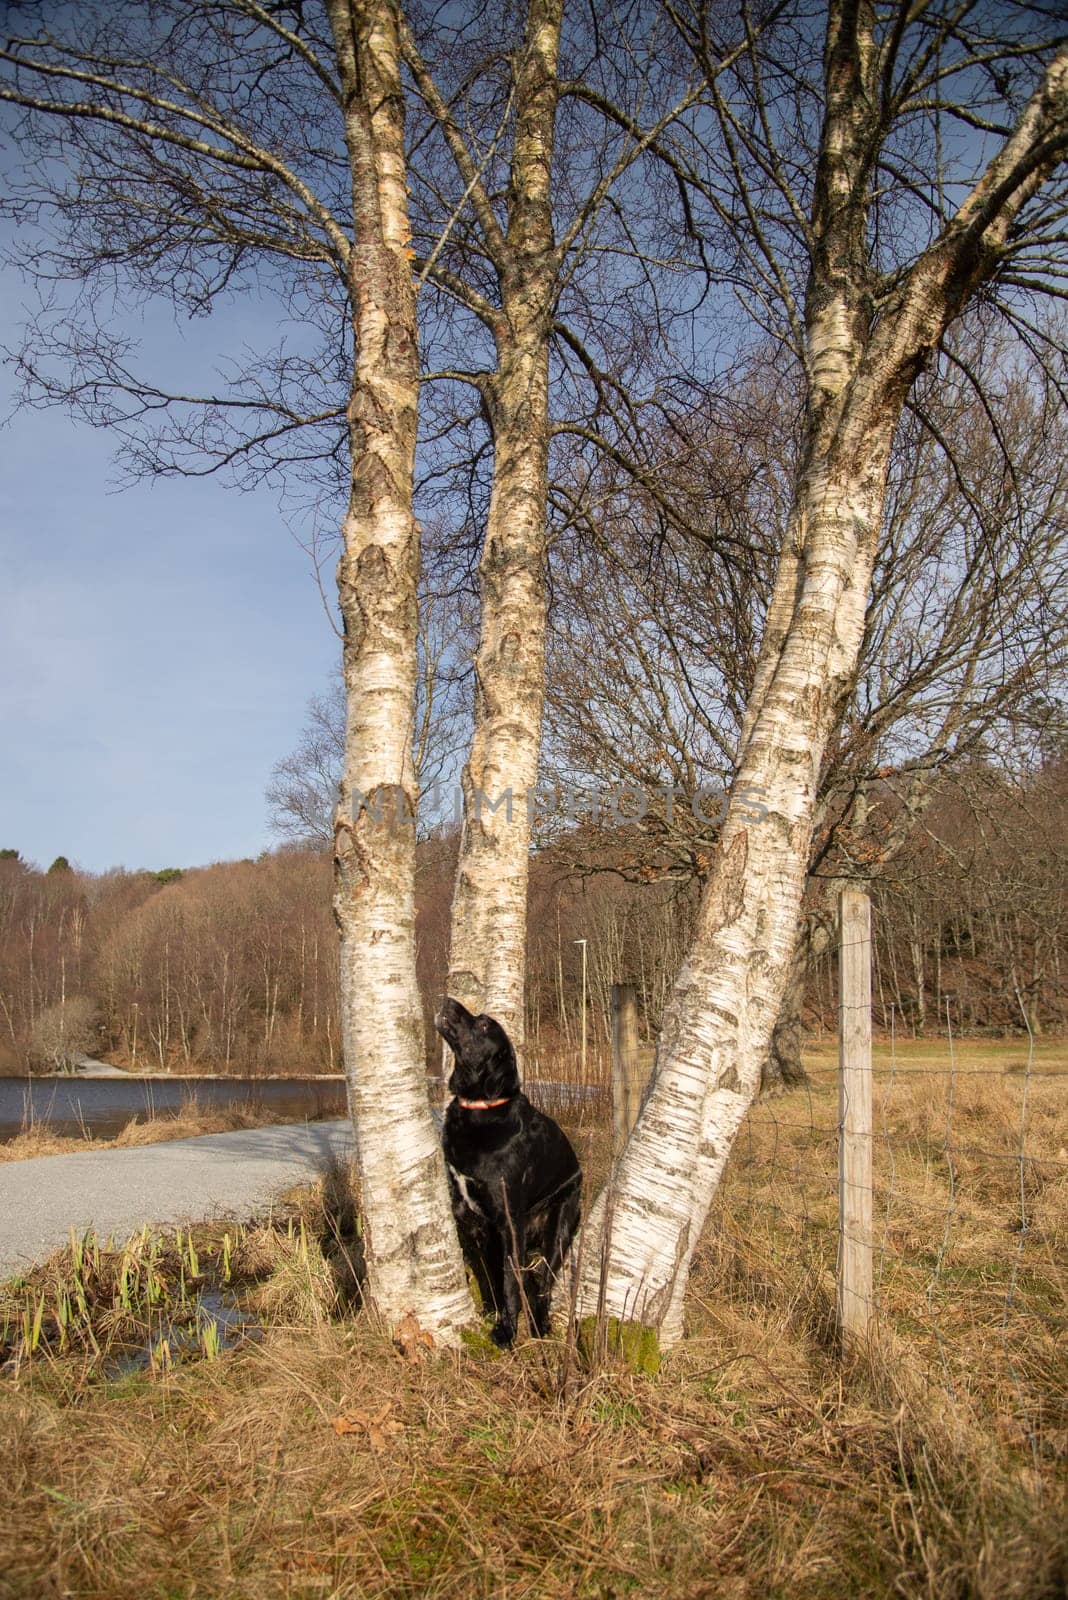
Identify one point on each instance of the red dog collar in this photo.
(482, 1105)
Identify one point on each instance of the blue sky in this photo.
(157, 644)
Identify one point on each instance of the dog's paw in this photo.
(503, 1335)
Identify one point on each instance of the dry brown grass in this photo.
(756, 1463)
(39, 1140)
(747, 1468)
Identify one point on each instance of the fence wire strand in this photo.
(967, 1251)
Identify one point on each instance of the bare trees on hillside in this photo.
(971, 922)
(964, 642)
(44, 961)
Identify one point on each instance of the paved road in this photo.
(182, 1180)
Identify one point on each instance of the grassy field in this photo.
(316, 1460)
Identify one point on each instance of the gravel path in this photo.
(182, 1180)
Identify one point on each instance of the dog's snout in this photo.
(451, 1012)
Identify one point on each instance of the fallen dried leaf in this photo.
(379, 1428)
(412, 1340)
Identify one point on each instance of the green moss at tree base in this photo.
(477, 1342)
(637, 1346)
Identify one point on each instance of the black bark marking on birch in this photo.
(798, 837)
(372, 569)
(424, 1242)
(760, 962)
(727, 897)
(809, 700)
(345, 580)
(366, 410)
(464, 977)
(372, 484)
(352, 864)
(729, 1017)
(656, 1305)
(362, 862)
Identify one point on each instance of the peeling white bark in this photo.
(413, 1257)
(487, 958)
(719, 1021)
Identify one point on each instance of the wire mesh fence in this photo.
(969, 1206)
(969, 1243)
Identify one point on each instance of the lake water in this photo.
(232, 1325)
(103, 1106)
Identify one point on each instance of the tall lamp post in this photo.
(582, 942)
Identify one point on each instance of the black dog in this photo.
(515, 1180)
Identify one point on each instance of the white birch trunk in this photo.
(487, 958)
(413, 1257)
(719, 1021)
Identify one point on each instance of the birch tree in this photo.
(488, 935)
(876, 308)
(520, 278)
(193, 150)
(412, 1244)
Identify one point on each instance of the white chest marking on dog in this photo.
(465, 1193)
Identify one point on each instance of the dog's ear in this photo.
(505, 1069)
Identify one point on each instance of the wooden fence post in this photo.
(627, 1070)
(854, 1115)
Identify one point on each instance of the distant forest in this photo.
(234, 968)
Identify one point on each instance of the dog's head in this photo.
(484, 1067)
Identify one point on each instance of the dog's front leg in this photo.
(512, 1292)
(514, 1255)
